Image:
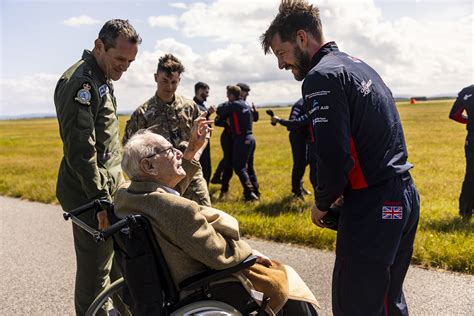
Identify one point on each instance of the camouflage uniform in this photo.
(90, 168)
(174, 122)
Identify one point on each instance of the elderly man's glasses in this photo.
(167, 151)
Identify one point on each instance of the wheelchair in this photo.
(146, 286)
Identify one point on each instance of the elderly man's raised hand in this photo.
(199, 135)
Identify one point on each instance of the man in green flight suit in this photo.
(90, 169)
(172, 117)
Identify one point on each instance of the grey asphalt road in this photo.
(37, 268)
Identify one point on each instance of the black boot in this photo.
(466, 200)
(255, 189)
(249, 193)
(249, 197)
(216, 179)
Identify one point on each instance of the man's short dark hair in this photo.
(293, 15)
(243, 86)
(234, 90)
(200, 85)
(115, 28)
(169, 64)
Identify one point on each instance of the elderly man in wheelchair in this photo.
(198, 264)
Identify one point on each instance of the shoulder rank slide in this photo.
(103, 90)
(84, 95)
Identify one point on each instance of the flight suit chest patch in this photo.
(83, 95)
(103, 90)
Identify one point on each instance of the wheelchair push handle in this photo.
(97, 206)
(106, 233)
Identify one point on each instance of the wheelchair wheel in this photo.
(207, 308)
(105, 298)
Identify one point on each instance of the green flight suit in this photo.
(90, 168)
(174, 122)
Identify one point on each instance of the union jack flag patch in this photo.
(392, 212)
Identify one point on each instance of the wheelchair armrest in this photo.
(206, 277)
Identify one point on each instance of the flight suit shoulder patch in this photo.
(83, 95)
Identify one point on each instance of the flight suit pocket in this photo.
(84, 118)
(84, 123)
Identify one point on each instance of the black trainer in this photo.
(251, 197)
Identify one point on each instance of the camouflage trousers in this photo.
(197, 190)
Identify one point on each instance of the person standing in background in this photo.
(201, 93)
(465, 103)
(244, 93)
(301, 138)
(240, 119)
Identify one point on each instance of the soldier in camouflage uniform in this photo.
(90, 168)
(172, 117)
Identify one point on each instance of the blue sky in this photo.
(418, 47)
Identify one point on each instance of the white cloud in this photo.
(76, 21)
(228, 20)
(219, 68)
(178, 5)
(28, 95)
(170, 21)
(414, 55)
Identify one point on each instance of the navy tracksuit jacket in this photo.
(205, 159)
(465, 102)
(301, 138)
(361, 154)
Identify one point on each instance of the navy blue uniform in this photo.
(240, 118)
(224, 169)
(251, 172)
(205, 159)
(361, 154)
(465, 102)
(300, 139)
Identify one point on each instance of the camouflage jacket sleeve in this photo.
(77, 124)
(135, 123)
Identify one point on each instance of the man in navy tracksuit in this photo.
(244, 93)
(240, 119)
(361, 159)
(465, 102)
(201, 93)
(301, 137)
(223, 172)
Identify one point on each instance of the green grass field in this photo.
(30, 152)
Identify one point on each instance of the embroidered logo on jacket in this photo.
(365, 87)
(316, 94)
(103, 90)
(392, 212)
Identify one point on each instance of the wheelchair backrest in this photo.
(144, 268)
